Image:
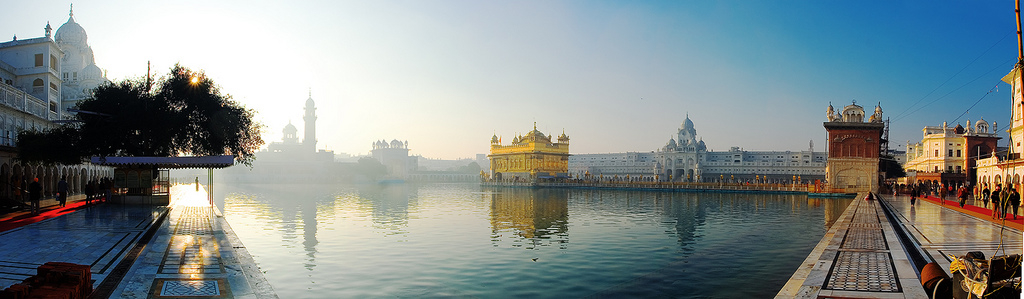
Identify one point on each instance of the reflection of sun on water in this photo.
(186, 195)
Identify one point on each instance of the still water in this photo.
(463, 240)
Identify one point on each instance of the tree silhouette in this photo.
(183, 114)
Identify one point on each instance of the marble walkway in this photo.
(861, 257)
(186, 250)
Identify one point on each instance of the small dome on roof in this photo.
(92, 72)
(71, 32)
(687, 124)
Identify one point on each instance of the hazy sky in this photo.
(615, 76)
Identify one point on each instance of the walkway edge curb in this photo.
(109, 284)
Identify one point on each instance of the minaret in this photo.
(310, 130)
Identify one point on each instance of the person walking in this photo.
(984, 196)
(90, 189)
(914, 193)
(1014, 202)
(35, 191)
(62, 191)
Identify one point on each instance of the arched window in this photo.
(37, 83)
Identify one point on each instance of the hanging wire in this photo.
(994, 87)
(1001, 64)
(901, 114)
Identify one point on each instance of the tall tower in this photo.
(310, 130)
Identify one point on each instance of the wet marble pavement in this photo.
(194, 254)
(98, 236)
(860, 256)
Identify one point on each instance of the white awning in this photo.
(221, 161)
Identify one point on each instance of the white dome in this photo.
(71, 32)
(289, 129)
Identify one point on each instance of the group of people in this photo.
(95, 189)
(98, 189)
(1002, 200)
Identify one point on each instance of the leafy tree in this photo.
(891, 167)
(371, 168)
(472, 167)
(183, 114)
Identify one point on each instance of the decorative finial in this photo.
(48, 28)
(72, 13)
(310, 92)
(855, 102)
(534, 126)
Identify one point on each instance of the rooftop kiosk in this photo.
(146, 180)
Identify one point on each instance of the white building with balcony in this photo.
(31, 98)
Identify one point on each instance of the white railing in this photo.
(23, 101)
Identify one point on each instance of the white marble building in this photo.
(78, 69)
(31, 93)
(686, 158)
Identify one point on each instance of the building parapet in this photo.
(23, 101)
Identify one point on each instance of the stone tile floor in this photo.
(98, 236)
(194, 254)
(849, 261)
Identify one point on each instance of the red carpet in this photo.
(979, 212)
(13, 222)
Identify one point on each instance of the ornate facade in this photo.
(529, 157)
(947, 155)
(31, 93)
(853, 148)
(1006, 169)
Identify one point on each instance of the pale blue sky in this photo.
(616, 76)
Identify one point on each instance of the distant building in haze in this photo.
(529, 158)
(395, 158)
(685, 158)
(289, 160)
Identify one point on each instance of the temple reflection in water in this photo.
(537, 216)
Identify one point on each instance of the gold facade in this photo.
(529, 157)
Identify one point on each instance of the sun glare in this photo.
(195, 80)
(188, 195)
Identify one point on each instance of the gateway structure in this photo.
(853, 148)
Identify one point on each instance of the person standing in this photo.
(961, 194)
(35, 191)
(1014, 202)
(914, 193)
(62, 191)
(90, 188)
(995, 200)
(984, 196)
